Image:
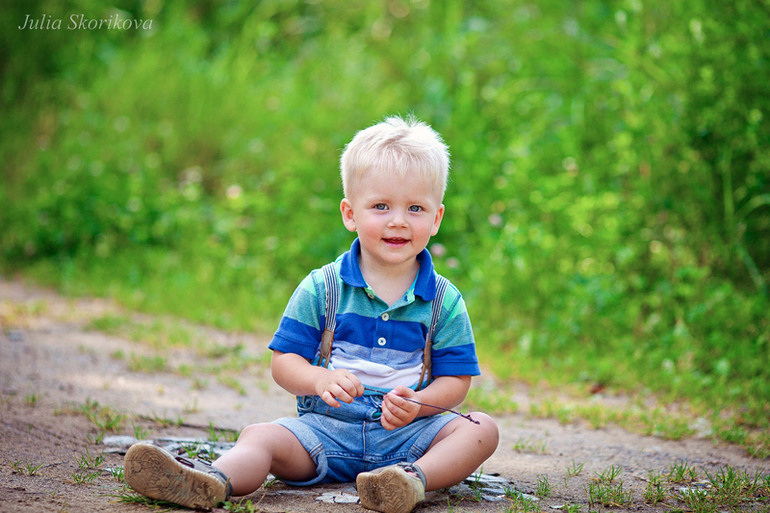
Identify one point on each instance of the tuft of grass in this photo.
(608, 494)
(609, 474)
(575, 469)
(164, 421)
(140, 432)
(88, 468)
(232, 382)
(682, 472)
(531, 445)
(725, 489)
(544, 489)
(192, 408)
(104, 418)
(25, 467)
(87, 461)
(243, 506)
(127, 496)
(215, 434)
(109, 324)
(148, 364)
(758, 445)
(653, 492)
(521, 503)
(118, 473)
(198, 450)
(84, 477)
(607, 490)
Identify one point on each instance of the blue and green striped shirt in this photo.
(382, 345)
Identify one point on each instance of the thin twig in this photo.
(465, 416)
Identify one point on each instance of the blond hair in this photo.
(400, 145)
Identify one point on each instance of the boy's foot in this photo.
(158, 474)
(394, 489)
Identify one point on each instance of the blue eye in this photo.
(380, 206)
(415, 208)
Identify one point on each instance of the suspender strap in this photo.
(438, 302)
(332, 301)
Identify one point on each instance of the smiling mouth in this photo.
(396, 240)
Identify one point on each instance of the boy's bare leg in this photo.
(458, 449)
(263, 449)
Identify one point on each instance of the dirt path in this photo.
(51, 366)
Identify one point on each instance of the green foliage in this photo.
(26, 467)
(608, 214)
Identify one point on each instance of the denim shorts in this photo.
(348, 440)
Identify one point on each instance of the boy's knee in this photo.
(488, 432)
(254, 432)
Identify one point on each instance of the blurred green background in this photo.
(608, 214)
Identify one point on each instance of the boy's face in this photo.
(394, 217)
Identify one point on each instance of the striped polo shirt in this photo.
(380, 344)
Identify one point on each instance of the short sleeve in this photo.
(300, 328)
(454, 347)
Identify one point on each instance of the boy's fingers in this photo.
(397, 411)
(398, 400)
(389, 420)
(402, 391)
(352, 385)
(329, 399)
(344, 393)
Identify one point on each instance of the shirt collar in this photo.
(424, 286)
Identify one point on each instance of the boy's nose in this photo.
(398, 218)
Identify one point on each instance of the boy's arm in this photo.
(299, 377)
(444, 391)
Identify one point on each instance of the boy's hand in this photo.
(338, 384)
(396, 411)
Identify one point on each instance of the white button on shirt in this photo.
(381, 341)
(385, 317)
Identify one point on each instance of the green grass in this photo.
(163, 335)
(574, 469)
(157, 333)
(531, 445)
(104, 418)
(148, 364)
(607, 490)
(26, 467)
(544, 488)
(491, 399)
(654, 492)
(139, 431)
(656, 421)
(87, 461)
(127, 496)
(520, 503)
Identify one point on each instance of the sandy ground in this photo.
(50, 366)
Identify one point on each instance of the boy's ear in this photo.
(437, 220)
(346, 208)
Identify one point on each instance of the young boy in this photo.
(357, 415)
